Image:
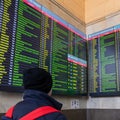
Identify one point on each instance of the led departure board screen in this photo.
(104, 65)
(29, 38)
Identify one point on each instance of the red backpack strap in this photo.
(39, 112)
(9, 113)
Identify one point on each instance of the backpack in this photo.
(39, 112)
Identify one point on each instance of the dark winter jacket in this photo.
(33, 99)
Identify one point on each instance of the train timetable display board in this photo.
(104, 65)
(29, 38)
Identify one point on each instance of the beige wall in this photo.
(8, 99)
(107, 22)
(98, 9)
(79, 12)
(65, 9)
(84, 11)
(76, 7)
(91, 12)
(103, 103)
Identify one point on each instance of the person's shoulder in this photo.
(55, 116)
(60, 116)
(5, 118)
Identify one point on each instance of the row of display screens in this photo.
(31, 39)
(28, 38)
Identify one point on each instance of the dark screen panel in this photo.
(27, 44)
(94, 68)
(59, 58)
(46, 43)
(7, 40)
(104, 65)
(77, 71)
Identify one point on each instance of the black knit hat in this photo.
(37, 79)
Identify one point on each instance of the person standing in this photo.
(37, 103)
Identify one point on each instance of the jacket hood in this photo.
(41, 98)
